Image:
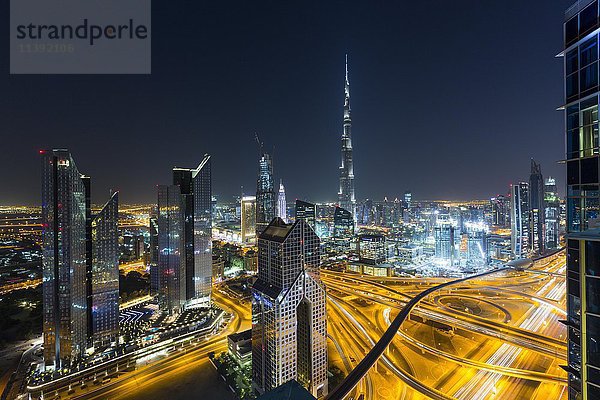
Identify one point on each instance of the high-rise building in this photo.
(171, 263)
(281, 203)
(248, 219)
(306, 211)
(154, 268)
(407, 206)
(65, 294)
(581, 29)
(372, 248)
(500, 211)
(343, 223)
(477, 251)
(552, 214)
(79, 263)
(289, 328)
(265, 193)
(536, 209)
(346, 197)
(447, 239)
(196, 209)
(105, 275)
(519, 220)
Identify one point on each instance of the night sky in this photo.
(450, 99)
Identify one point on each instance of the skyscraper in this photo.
(171, 265)
(551, 214)
(347, 200)
(265, 193)
(306, 211)
(196, 200)
(343, 223)
(289, 328)
(154, 268)
(65, 268)
(536, 209)
(447, 239)
(500, 211)
(79, 263)
(580, 53)
(519, 220)
(105, 275)
(248, 219)
(281, 203)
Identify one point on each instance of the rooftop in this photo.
(291, 390)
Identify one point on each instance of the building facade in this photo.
(105, 275)
(552, 214)
(289, 326)
(266, 202)
(581, 29)
(248, 219)
(519, 220)
(537, 230)
(346, 196)
(343, 223)
(306, 211)
(171, 265)
(281, 203)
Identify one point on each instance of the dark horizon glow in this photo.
(449, 101)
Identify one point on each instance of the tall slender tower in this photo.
(346, 192)
(536, 209)
(281, 203)
(265, 193)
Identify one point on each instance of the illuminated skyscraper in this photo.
(154, 269)
(347, 200)
(551, 214)
(64, 262)
(281, 203)
(79, 263)
(500, 211)
(343, 223)
(171, 265)
(477, 248)
(536, 209)
(580, 53)
(196, 200)
(447, 239)
(265, 193)
(248, 219)
(105, 275)
(289, 328)
(306, 211)
(519, 220)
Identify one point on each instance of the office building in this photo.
(581, 30)
(104, 305)
(79, 264)
(248, 219)
(306, 211)
(281, 203)
(343, 223)
(447, 239)
(551, 214)
(537, 233)
(154, 268)
(372, 248)
(477, 249)
(500, 209)
(196, 212)
(171, 263)
(519, 220)
(266, 202)
(289, 329)
(346, 197)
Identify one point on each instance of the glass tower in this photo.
(580, 53)
(265, 193)
(196, 202)
(105, 274)
(281, 203)
(536, 209)
(248, 219)
(289, 325)
(171, 265)
(306, 211)
(552, 214)
(519, 220)
(64, 265)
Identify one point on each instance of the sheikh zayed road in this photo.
(496, 336)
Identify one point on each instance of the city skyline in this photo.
(384, 84)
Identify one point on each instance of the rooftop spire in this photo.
(347, 87)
